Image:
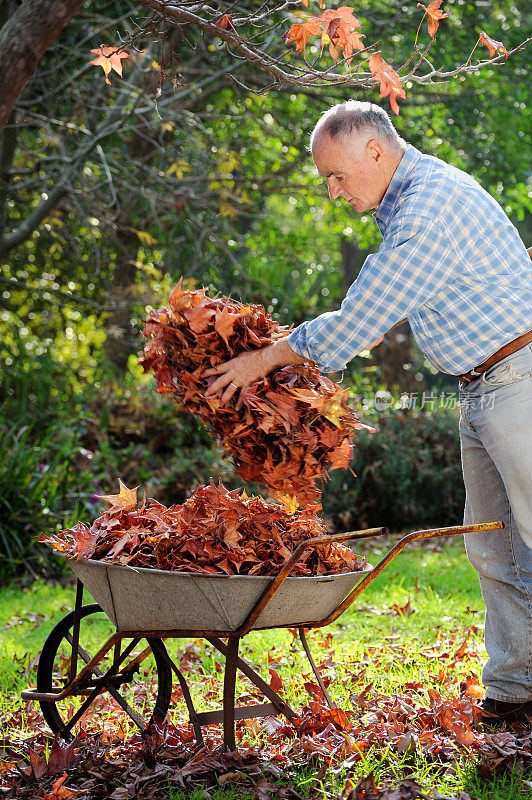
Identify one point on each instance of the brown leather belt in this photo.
(507, 350)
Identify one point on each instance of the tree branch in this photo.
(114, 121)
(23, 39)
(8, 145)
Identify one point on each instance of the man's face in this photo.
(353, 168)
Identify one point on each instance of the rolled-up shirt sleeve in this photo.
(412, 264)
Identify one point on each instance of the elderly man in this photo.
(455, 266)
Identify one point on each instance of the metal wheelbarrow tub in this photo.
(141, 599)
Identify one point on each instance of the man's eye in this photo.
(340, 178)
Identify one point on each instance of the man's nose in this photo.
(333, 187)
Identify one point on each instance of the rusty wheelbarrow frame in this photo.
(91, 681)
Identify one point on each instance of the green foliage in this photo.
(134, 433)
(35, 482)
(408, 475)
(216, 184)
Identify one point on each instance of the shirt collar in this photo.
(385, 211)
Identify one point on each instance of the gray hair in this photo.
(361, 117)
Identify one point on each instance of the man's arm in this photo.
(410, 266)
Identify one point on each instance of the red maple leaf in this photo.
(342, 455)
(199, 317)
(300, 33)
(225, 22)
(339, 32)
(59, 792)
(390, 83)
(434, 14)
(225, 322)
(109, 58)
(276, 682)
(493, 45)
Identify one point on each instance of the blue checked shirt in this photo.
(450, 261)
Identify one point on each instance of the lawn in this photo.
(404, 654)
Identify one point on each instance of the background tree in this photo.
(195, 163)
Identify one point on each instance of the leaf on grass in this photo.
(59, 791)
(403, 611)
(276, 682)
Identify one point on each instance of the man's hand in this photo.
(250, 367)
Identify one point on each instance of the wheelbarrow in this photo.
(149, 606)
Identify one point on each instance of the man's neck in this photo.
(391, 165)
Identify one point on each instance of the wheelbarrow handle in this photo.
(288, 565)
(345, 537)
(398, 548)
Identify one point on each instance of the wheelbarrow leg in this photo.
(315, 670)
(75, 632)
(229, 692)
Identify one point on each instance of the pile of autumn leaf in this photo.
(216, 531)
(293, 426)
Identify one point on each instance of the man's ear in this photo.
(374, 150)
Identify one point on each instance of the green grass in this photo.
(371, 644)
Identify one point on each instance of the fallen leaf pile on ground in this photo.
(293, 427)
(103, 762)
(215, 531)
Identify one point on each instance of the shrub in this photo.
(35, 483)
(408, 475)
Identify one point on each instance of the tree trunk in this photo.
(28, 32)
(8, 145)
(392, 355)
(119, 341)
(394, 352)
(352, 259)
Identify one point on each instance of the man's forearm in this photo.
(281, 354)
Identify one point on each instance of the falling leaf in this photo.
(493, 45)
(109, 58)
(435, 14)
(390, 83)
(289, 503)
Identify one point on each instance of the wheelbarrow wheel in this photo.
(143, 694)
